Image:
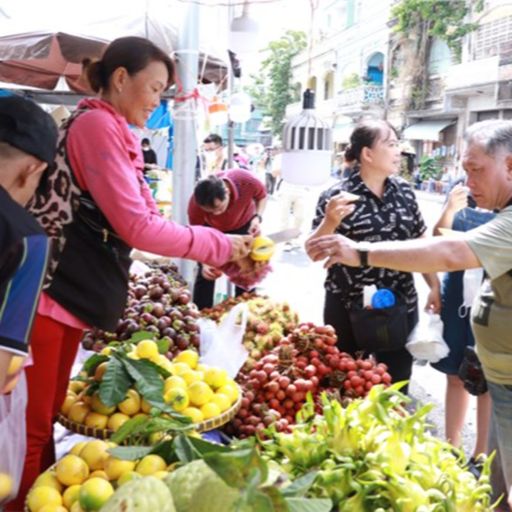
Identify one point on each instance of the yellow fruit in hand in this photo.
(216, 377)
(116, 468)
(71, 470)
(210, 410)
(199, 393)
(147, 349)
(70, 495)
(131, 404)
(262, 248)
(189, 357)
(177, 398)
(150, 464)
(98, 406)
(41, 496)
(230, 390)
(126, 477)
(47, 479)
(116, 420)
(174, 382)
(95, 454)
(6, 485)
(94, 494)
(194, 414)
(96, 420)
(78, 411)
(222, 401)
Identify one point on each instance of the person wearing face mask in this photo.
(371, 204)
(232, 201)
(149, 155)
(213, 151)
(96, 207)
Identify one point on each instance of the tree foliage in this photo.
(272, 89)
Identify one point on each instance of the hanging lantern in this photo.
(217, 112)
(240, 107)
(307, 146)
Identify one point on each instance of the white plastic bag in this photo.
(221, 345)
(13, 442)
(471, 284)
(426, 339)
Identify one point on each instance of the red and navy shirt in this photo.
(24, 249)
(245, 191)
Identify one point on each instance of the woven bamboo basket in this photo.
(104, 433)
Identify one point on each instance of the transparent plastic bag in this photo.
(471, 284)
(426, 341)
(13, 442)
(221, 345)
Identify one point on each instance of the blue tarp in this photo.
(161, 118)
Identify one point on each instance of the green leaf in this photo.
(276, 498)
(300, 486)
(236, 467)
(309, 505)
(147, 379)
(92, 388)
(163, 345)
(130, 428)
(115, 384)
(93, 362)
(189, 448)
(141, 335)
(166, 450)
(130, 452)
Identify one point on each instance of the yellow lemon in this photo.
(230, 390)
(150, 464)
(76, 507)
(71, 470)
(194, 414)
(133, 355)
(47, 479)
(177, 398)
(189, 357)
(179, 368)
(191, 376)
(174, 382)
(199, 393)
(70, 399)
(116, 420)
(131, 404)
(106, 351)
(210, 410)
(41, 496)
(94, 493)
(99, 473)
(78, 411)
(115, 468)
(201, 367)
(222, 401)
(6, 485)
(77, 448)
(100, 371)
(96, 420)
(76, 386)
(98, 406)
(53, 508)
(126, 477)
(147, 349)
(70, 495)
(95, 453)
(216, 377)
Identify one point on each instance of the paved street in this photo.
(300, 282)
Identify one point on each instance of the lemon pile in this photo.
(195, 390)
(85, 478)
(198, 391)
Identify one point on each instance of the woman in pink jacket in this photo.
(96, 207)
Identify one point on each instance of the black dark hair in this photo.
(365, 135)
(208, 190)
(213, 137)
(132, 53)
(145, 140)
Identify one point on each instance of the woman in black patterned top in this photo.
(384, 208)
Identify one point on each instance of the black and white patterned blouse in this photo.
(395, 216)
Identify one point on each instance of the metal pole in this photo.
(185, 146)
(230, 87)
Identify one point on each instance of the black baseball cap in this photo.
(27, 127)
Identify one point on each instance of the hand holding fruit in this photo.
(339, 207)
(240, 246)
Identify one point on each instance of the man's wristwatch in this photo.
(363, 248)
(257, 216)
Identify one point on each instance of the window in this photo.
(440, 58)
(490, 36)
(328, 85)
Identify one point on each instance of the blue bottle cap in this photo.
(383, 298)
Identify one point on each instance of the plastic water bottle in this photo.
(383, 298)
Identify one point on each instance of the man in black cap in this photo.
(28, 140)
